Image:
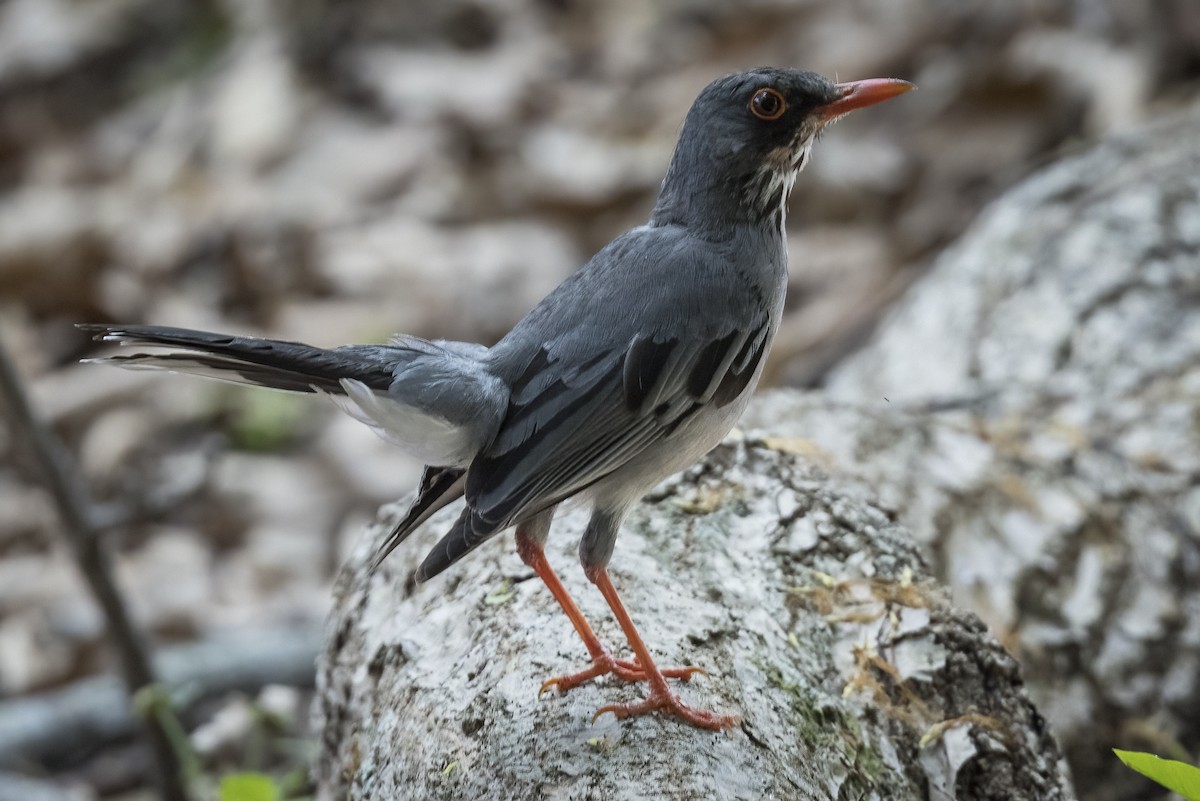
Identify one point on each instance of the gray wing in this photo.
(577, 428)
(567, 427)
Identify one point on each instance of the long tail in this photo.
(436, 400)
(290, 366)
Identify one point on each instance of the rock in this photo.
(290, 492)
(1029, 412)
(27, 662)
(281, 701)
(1055, 295)
(65, 395)
(343, 162)
(227, 732)
(500, 271)
(841, 277)
(169, 583)
(39, 38)
(257, 108)
(1115, 80)
(561, 165)
(811, 610)
(24, 518)
(15, 786)
(282, 569)
(51, 249)
(112, 439)
(47, 626)
(482, 89)
(52, 727)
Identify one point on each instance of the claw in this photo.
(661, 697)
(670, 704)
(571, 680)
(624, 669)
(630, 670)
(684, 674)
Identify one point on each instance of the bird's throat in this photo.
(765, 197)
(709, 202)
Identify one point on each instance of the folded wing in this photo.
(570, 425)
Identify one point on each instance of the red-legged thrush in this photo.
(633, 368)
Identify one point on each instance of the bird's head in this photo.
(747, 136)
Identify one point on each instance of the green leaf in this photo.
(1178, 777)
(248, 787)
(154, 703)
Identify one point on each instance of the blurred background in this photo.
(337, 170)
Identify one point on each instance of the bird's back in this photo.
(656, 327)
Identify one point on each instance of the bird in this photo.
(632, 369)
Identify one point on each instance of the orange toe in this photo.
(670, 704)
(624, 669)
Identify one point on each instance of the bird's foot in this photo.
(667, 702)
(623, 669)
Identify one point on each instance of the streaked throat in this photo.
(767, 192)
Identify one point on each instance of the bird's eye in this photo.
(767, 104)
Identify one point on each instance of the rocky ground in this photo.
(810, 610)
(336, 171)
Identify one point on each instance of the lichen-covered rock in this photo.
(810, 609)
(1032, 413)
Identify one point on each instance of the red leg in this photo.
(661, 697)
(603, 662)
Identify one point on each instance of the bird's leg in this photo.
(529, 547)
(661, 697)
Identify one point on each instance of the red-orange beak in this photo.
(860, 94)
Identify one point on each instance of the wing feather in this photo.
(580, 428)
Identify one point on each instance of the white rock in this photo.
(258, 105)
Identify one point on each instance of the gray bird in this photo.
(632, 369)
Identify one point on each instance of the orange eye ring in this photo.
(767, 105)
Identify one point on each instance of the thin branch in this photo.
(61, 477)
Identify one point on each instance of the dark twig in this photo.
(66, 485)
